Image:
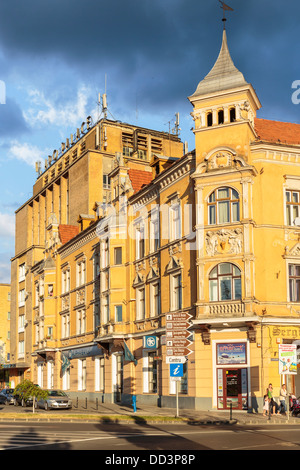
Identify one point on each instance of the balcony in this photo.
(220, 309)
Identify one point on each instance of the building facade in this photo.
(126, 232)
(4, 335)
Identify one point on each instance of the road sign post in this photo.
(176, 372)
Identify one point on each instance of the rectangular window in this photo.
(176, 292)
(118, 255)
(105, 309)
(21, 297)
(81, 374)
(154, 231)
(65, 281)
(22, 272)
(80, 274)
(80, 322)
(154, 299)
(140, 304)
(294, 282)
(21, 346)
(140, 242)
(65, 325)
(292, 206)
(99, 374)
(118, 313)
(175, 221)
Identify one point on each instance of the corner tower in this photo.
(225, 106)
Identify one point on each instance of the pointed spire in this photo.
(224, 75)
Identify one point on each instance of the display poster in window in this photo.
(287, 354)
(231, 353)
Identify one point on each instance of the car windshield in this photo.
(57, 393)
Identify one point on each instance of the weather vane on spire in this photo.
(225, 7)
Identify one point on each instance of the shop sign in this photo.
(231, 353)
(287, 354)
(88, 351)
(150, 342)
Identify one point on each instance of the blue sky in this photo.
(56, 56)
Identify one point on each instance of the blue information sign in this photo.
(176, 370)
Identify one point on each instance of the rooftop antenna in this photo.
(225, 8)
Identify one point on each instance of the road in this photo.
(114, 439)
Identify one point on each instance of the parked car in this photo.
(56, 399)
(7, 396)
(19, 400)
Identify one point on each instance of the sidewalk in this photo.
(111, 413)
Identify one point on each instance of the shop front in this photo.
(232, 375)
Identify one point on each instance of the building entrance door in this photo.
(232, 389)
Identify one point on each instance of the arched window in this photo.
(223, 206)
(209, 119)
(225, 283)
(221, 116)
(232, 116)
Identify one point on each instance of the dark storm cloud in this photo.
(155, 51)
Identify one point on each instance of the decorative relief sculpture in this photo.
(220, 160)
(224, 241)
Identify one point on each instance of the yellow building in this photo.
(4, 334)
(137, 257)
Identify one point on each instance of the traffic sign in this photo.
(176, 359)
(176, 370)
(177, 334)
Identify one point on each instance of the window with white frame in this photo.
(176, 291)
(105, 309)
(292, 206)
(223, 206)
(21, 323)
(81, 374)
(140, 241)
(104, 253)
(50, 375)
(65, 325)
(99, 373)
(154, 231)
(140, 303)
(22, 272)
(66, 379)
(80, 273)
(294, 282)
(175, 220)
(21, 297)
(225, 283)
(21, 348)
(154, 299)
(65, 281)
(80, 322)
(36, 291)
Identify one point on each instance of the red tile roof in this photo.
(139, 178)
(276, 131)
(67, 232)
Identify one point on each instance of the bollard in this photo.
(230, 412)
(96, 403)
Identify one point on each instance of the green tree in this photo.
(28, 389)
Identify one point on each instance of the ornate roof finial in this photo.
(225, 7)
